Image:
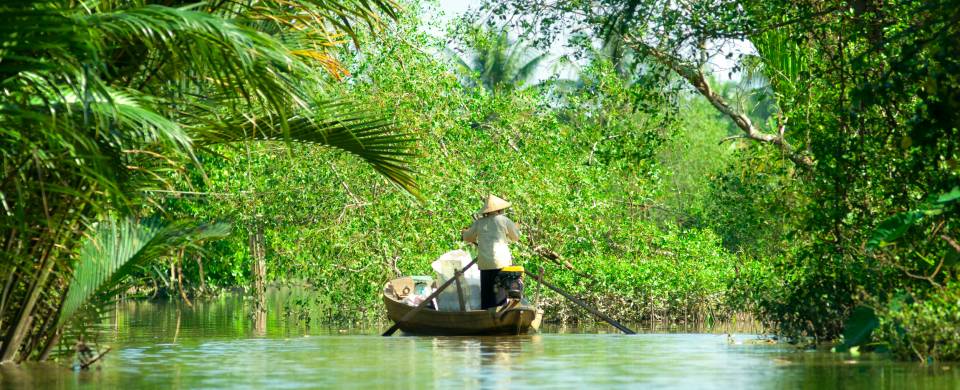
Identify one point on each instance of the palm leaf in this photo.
(339, 16)
(469, 77)
(106, 130)
(116, 248)
(528, 69)
(497, 61)
(228, 55)
(29, 27)
(784, 61)
(130, 114)
(98, 106)
(458, 61)
(341, 125)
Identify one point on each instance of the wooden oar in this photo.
(582, 304)
(411, 313)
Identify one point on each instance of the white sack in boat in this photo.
(445, 267)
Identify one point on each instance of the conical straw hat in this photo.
(494, 203)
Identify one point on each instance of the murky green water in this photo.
(214, 345)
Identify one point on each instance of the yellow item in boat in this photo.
(512, 268)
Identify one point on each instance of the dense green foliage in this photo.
(865, 110)
(584, 177)
(497, 63)
(924, 327)
(820, 193)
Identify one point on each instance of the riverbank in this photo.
(633, 300)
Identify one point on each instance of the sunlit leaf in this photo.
(949, 196)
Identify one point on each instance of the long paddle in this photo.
(582, 304)
(411, 313)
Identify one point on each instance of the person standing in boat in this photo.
(492, 232)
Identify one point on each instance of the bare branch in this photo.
(929, 278)
(731, 138)
(951, 241)
(695, 77)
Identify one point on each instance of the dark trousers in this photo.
(488, 294)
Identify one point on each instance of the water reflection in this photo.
(485, 362)
(214, 344)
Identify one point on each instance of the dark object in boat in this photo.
(509, 283)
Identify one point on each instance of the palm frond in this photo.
(784, 61)
(104, 129)
(458, 60)
(341, 125)
(499, 61)
(527, 70)
(30, 26)
(116, 248)
(102, 100)
(132, 116)
(226, 54)
(331, 16)
(468, 76)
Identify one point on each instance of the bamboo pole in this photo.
(582, 304)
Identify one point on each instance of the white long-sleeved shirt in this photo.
(492, 234)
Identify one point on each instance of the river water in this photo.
(214, 345)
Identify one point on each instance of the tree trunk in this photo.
(7, 288)
(183, 294)
(51, 343)
(258, 276)
(173, 277)
(46, 329)
(203, 283)
(15, 334)
(258, 264)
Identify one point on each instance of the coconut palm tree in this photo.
(612, 50)
(778, 66)
(106, 101)
(498, 63)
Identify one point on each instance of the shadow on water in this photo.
(215, 344)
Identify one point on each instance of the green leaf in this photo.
(949, 196)
(932, 210)
(118, 247)
(952, 258)
(346, 126)
(893, 228)
(859, 326)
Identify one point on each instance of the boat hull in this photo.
(511, 319)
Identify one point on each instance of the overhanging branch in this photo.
(695, 77)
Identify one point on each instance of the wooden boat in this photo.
(516, 317)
